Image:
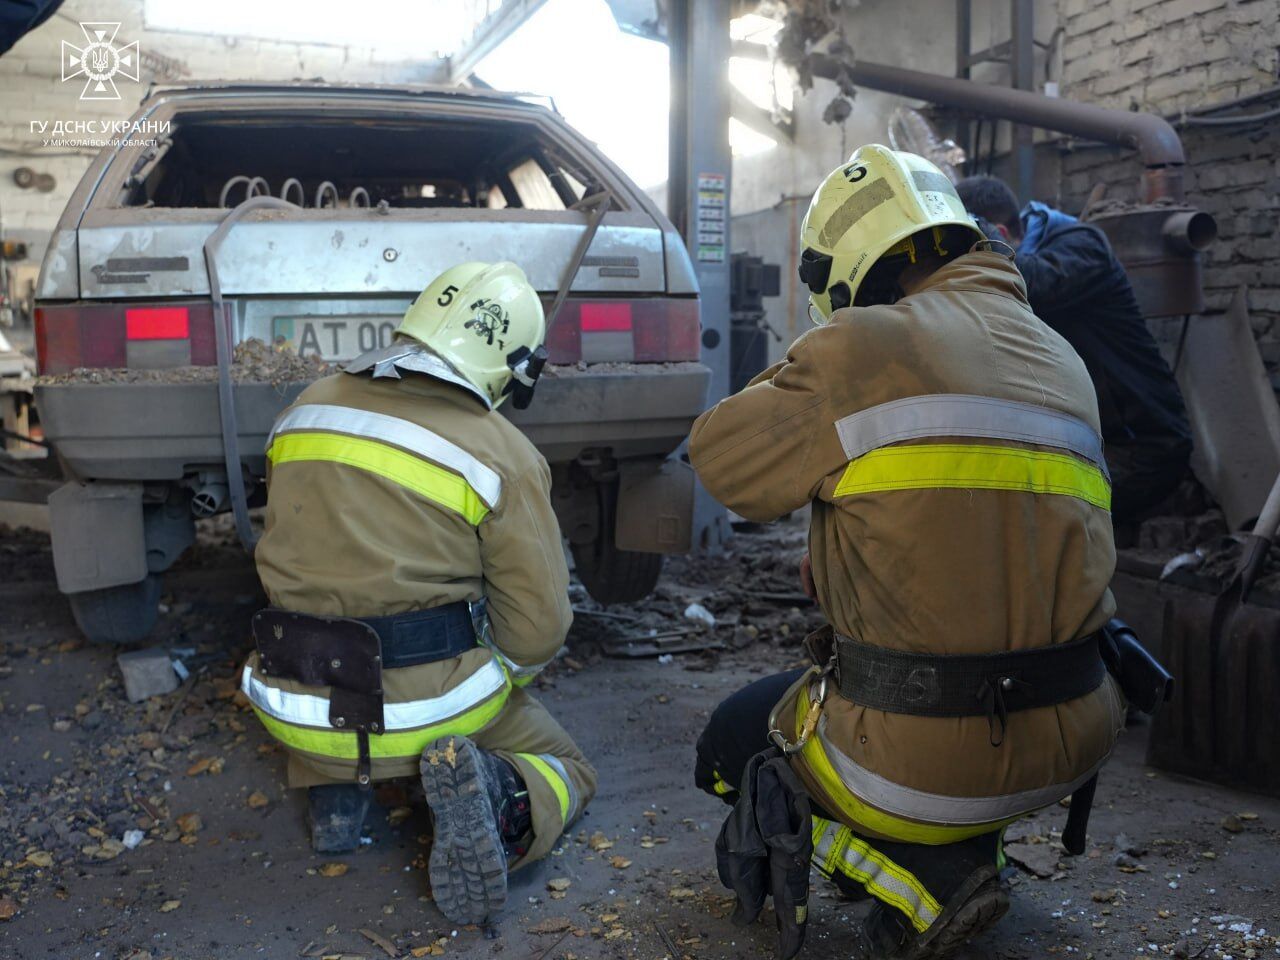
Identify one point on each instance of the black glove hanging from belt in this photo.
(764, 848)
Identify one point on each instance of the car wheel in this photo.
(616, 576)
(118, 615)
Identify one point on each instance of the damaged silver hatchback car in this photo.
(385, 188)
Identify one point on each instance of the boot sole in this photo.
(975, 915)
(468, 867)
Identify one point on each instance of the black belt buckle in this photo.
(341, 653)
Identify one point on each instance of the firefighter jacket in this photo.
(393, 495)
(941, 524)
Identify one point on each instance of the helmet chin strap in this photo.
(526, 367)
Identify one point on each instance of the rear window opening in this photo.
(357, 161)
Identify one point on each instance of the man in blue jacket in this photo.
(1077, 286)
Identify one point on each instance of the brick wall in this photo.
(1171, 56)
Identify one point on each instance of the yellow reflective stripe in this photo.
(857, 812)
(719, 786)
(965, 466)
(916, 902)
(437, 484)
(342, 745)
(558, 786)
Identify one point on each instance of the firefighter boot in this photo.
(481, 812)
(973, 909)
(336, 814)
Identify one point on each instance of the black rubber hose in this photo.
(222, 337)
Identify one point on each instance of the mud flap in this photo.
(98, 536)
(655, 506)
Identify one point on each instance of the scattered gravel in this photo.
(253, 362)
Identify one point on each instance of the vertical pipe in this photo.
(1023, 61)
(964, 31)
(678, 117)
(700, 104)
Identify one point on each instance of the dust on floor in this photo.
(222, 866)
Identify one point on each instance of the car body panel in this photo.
(165, 431)
(356, 252)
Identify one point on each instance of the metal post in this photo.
(1023, 61)
(698, 194)
(678, 116)
(964, 37)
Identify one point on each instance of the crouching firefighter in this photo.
(960, 548)
(417, 584)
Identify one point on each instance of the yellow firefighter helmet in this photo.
(486, 321)
(868, 209)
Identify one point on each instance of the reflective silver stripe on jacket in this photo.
(403, 433)
(308, 710)
(963, 415)
(521, 675)
(934, 807)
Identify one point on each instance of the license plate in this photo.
(335, 338)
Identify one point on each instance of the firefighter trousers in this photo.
(917, 879)
(560, 780)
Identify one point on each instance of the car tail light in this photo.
(140, 336)
(642, 330)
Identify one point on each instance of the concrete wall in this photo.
(31, 89)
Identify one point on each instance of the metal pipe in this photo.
(1023, 57)
(964, 31)
(1190, 231)
(1153, 137)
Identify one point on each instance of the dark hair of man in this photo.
(990, 197)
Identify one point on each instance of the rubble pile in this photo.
(253, 361)
(1190, 540)
(749, 593)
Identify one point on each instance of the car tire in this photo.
(118, 615)
(616, 576)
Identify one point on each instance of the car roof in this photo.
(305, 88)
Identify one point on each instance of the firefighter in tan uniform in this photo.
(961, 548)
(417, 584)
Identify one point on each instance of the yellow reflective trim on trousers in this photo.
(557, 785)
(719, 786)
(922, 913)
(967, 467)
(437, 484)
(907, 831)
(341, 745)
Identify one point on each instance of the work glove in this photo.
(742, 859)
(765, 846)
(783, 813)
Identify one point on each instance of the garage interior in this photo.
(649, 163)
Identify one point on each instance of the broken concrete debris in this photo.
(147, 673)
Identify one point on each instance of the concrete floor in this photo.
(1201, 877)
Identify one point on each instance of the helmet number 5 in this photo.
(853, 173)
(446, 295)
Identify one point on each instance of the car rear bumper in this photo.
(164, 431)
